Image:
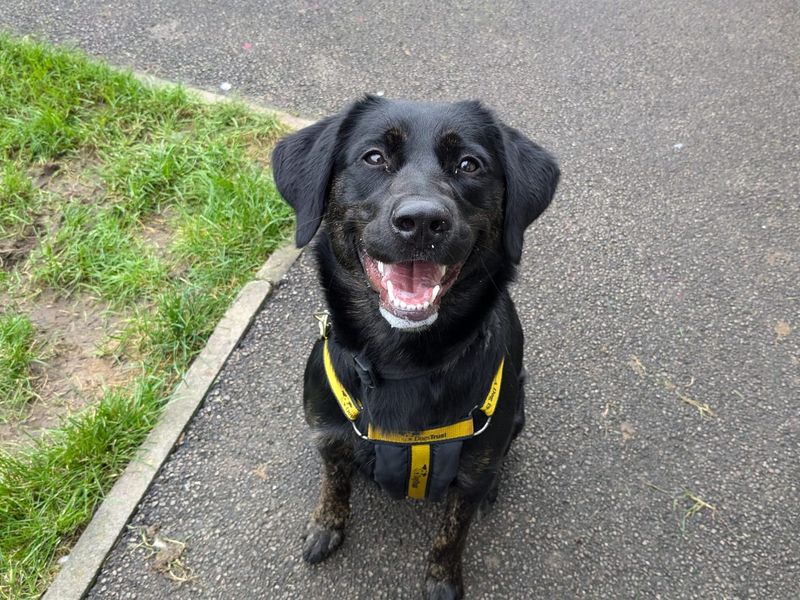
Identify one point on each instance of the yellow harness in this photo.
(419, 442)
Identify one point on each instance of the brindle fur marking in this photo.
(326, 527)
(444, 579)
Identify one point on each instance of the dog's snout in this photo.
(421, 220)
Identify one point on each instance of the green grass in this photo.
(49, 491)
(128, 156)
(17, 199)
(18, 350)
(94, 249)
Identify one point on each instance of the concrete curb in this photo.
(87, 556)
(291, 120)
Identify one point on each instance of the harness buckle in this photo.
(364, 370)
(323, 322)
(477, 432)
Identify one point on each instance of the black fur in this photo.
(322, 173)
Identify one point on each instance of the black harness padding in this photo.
(392, 468)
(408, 464)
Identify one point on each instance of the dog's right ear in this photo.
(532, 176)
(302, 164)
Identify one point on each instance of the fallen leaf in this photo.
(166, 556)
(627, 431)
(782, 329)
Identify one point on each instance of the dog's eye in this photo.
(468, 165)
(374, 158)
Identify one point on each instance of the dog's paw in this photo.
(320, 543)
(442, 590)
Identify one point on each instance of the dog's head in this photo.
(418, 199)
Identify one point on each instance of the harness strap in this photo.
(411, 454)
(420, 469)
(465, 428)
(346, 402)
(458, 430)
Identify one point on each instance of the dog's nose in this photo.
(421, 221)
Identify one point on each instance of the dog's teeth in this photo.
(380, 267)
(425, 305)
(390, 289)
(442, 271)
(435, 293)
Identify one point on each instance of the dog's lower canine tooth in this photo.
(435, 293)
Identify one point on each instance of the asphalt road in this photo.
(664, 278)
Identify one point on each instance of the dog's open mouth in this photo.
(410, 292)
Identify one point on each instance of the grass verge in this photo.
(146, 201)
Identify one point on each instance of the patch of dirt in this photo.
(74, 371)
(59, 178)
(73, 374)
(68, 179)
(158, 233)
(171, 31)
(14, 250)
(45, 173)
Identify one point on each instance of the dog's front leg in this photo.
(326, 527)
(444, 581)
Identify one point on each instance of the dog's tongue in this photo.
(413, 281)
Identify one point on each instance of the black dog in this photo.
(418, 381)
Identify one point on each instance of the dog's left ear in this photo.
(302, 164)
(531, 175)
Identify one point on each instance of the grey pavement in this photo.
(663, 278)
